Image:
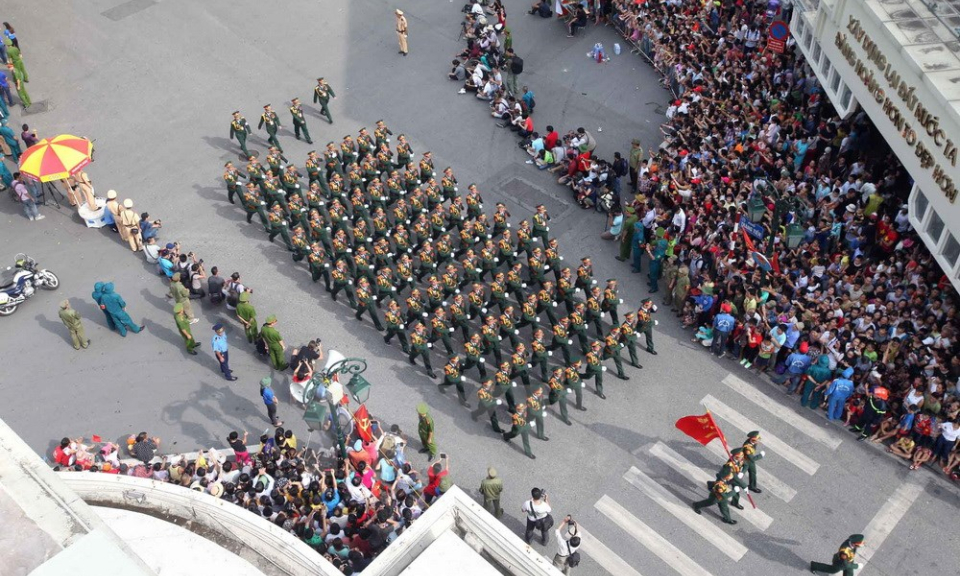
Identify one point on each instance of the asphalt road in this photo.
(155, 81)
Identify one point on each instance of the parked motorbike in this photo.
(19, 283)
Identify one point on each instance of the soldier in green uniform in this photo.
(750, 457)
(720, 494)
(415, 307)
(322, 93)
(299, 122)
(670, 273)
(561, 339)
(524, 238)
(572, 380)
(558, 393)
(505, 386)
(395, 326)
(498, 293)
(536, 267)
(453, 376)
(255, 171)
(553, 258)
(843, 560)
(342, 281)
(278, 225)
(71, 319)
(546, 302)
(275, 160)
(508, 326)
(594, 369)
(448, 183)
(247, 315)
(566, 289)
(365, 303)
(540, 228)
(239, 129)
(290, 180)
(426, 166)
(183, 327)
(440, 329)
(611, 349)
(254, 204)
(733, 470)
(386, 284)
(539, 354)
(520, 364)
(419, 347)
(487, 404)
(536, 409)
(528, 314)
(628, 335)
(610, 301)
(270, 120)
(585, 279)
(319, 266)
(426, 429)
(473, 351)
(275, 345)
(645, 323)
(490, 333)
(301, 247)
(578, 325)
(231, 176)
(594, 312)
(520, 428)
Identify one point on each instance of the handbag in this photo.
(546, 522)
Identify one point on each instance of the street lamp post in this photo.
(324, 392)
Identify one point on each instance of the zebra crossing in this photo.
(664, 462)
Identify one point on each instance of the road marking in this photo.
(682, 511)
(766, 480)
(700, 477)
(794, 456)
(604, 556)
(886, 519)
(785, 414)
(649, 538)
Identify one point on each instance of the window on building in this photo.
(935, 227)
(835, 82)
(815, 53)
(951, 250)
(920, 205)
(845, 97)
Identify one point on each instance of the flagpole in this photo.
(723, 440)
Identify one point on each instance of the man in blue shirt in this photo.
(270, 400)
(723, 324)
(837, 393)
(797, 364)
(221, 351)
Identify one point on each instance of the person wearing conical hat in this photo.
(71, 319)
(843, 560)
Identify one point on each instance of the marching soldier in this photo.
(500, 219)
(645, 322)
(426, 166)
(419, 347)
(572, 381)
(488, 258)
(395, 326)
(365, 144)
(558, 393)
(585, 279)
(270, 120)
(536, 267)
(594, 312)
(578, 325)
(232, 177)
(732, 471)
(415, 306)
(448, 183)
(476, 305)
(473, 351)
(750, 457)
(365, 303)
(498, 293)
(450, 281)
(342, 281)
(455, 214)
(474, 202)
(611, 349)
(404, 272)
(362, 267)
(322, 93)
(299, 122)
(515, 283)
(381, 132)
(536, 410)
(278, 225)
(520, 428)
(628, 335)
(520, 365)
(561, 339)
(505, 386)
(276, 160)
(348, 151)
(440, 330)
(273, 194)
(301, 248)
(540, 227)
(539, 353)
(720, 494)
(546, 302)
(254, 204)
(332, 162)
(254, 171)
(452, 376)
(528, 314)
(458, 316)
(471, 268)
(319, 266)
(239, 129)
(312, 165)
(490, 333)
(505, 250)
(610, 301)
(553, 258)
(386, 284)
(566, 289)
(508, 326)
(843, 560)
(594, 369)
(487, 404)
(404, 152)
(524, 238)
(434, 295)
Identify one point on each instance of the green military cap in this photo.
(266, 382)
(754, 434)
(175, 277)
(236, 111)
(856, 539)
(646, 300)
(271, 319)
(422, 408)
(636, 141)
(177, 308)
(245, 297)
(736, 451)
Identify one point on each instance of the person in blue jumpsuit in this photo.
(98, 297)
(837, 394)
(657, 250)
(11, 138)
(639, 245)
(113, 304)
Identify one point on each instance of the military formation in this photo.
(734, 478)
(399, 241)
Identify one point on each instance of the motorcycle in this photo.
(21, 282)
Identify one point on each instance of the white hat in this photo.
(399, 12)
(128, 203)
(111, 194)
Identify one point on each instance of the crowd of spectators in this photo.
(346, 509)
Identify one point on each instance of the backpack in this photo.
(516, 65)
(233, 294)
(573, 560)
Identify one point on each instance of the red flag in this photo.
(362, 418)
(748, 241)
(775, 262)
(702, 428)
(96, 438)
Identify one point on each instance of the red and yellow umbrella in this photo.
(56, 158)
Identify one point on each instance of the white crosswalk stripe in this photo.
(682, 511)
(765, 480)
(650, 538)
(783, 413)
(700, 477)
(886, 519)
(604, 556)
(791, 454)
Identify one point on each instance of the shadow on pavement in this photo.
(54, 328)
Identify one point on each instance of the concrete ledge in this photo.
(271, 549)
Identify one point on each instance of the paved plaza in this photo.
(154, 83)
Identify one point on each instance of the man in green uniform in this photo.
(645, 323)
(539, 354)
(732, 471)
(573, 382)
(20, 83)
(181, 295)
(558, 393)
(322, 94)
(317, 259)
(720, 494)
(365, 303)
(231, 176)
(636, 158)
(425, 428)
(270, 120)
(440, 329)
(71, 319)
(342, 281)
(299, 122)
(453, 376)
(419, 346)
(751, 455)
(247, 316)
(183, 327)
(594, 369)
(239, 129)
(395, 326)
(540, 228)
(487, 404)
(843, 560)
(611, 349)
(610, 301)
(536, 406)
(626, 234)
(275, 345)
(628, 335)
(491, 487)
(473, 350)
(561, 339)
(520, 428)
(278, 225)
